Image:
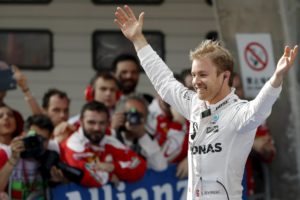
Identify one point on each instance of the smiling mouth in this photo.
(201, 90)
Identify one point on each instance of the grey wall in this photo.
(72, 22)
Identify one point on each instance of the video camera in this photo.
(34, 148)
(133, 117)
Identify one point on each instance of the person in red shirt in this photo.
(102, 158)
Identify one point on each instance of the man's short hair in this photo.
(94, 106)
(220, 56)
(125, 57)
(52, 92)
(41, 121)
(121, 104)
(104, 75)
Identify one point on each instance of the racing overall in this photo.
(221, 135)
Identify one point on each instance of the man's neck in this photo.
(219, 97)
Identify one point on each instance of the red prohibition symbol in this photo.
(256, 56)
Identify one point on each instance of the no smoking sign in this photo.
(256, 56)
(256, 61)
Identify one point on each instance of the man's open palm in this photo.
(127, 22)
(287, 60)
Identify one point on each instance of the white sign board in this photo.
(256, 61)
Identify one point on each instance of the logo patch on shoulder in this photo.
(187, 95)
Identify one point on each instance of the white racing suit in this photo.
(220, 136)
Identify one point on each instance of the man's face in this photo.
(58, 109)
(127, 73)
(105, 92)
(138, 106)
(206, 82)
(94, 125)
(44, 133)
(137, 130)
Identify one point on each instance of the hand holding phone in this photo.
(7, 80)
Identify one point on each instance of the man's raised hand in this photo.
(130, 26)
(287, 60)
(284, 64)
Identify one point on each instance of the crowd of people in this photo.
(117, 136)
(117, 124)
(120, 132)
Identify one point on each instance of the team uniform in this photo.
(171, 136)
(221, 135)
(77, 151)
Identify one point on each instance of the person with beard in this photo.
(126, 68)
(99, 156)
(222, 126)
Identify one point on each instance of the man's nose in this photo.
(197, 80)
(128, 75)
(97, 126)
(63, 115)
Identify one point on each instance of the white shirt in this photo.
(219, 143)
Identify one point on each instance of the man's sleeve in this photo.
(162, 78)
(152, 153)
(128, 165)
(91, 177)
(254, 113)
(3, 158)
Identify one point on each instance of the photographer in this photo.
(20, 166)
(131, 131)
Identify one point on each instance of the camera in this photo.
(51, 158)
(133, 117)
(34, 146)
